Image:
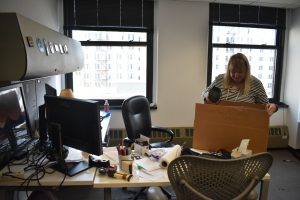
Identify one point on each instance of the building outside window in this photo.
(116, 62)
(117, 41)
(260, 42)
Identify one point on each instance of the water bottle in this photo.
(106, 106)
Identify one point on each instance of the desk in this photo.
(108, 183)
(84, 178)
(49, 181)
(92, 178)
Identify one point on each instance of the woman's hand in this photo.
(271, 108)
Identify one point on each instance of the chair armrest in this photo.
(248, 189)
(165, 130)
(241, 196)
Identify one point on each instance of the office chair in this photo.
(137, 120)
(197, 177)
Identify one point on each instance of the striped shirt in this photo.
(257, 93)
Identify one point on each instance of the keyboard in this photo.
(23, 149)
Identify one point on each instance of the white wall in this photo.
(291, 91)
(46, 12)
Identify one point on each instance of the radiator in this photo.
(278, 137)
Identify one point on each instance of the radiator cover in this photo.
(278, 137)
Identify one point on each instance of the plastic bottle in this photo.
(106, 106)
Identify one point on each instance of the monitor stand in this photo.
(60, 154)
(71, 168)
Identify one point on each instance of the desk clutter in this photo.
(137, 160)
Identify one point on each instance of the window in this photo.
(257, 32)
(125, 60)
(117, 37)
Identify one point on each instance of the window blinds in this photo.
(109, 13)
(246, 15)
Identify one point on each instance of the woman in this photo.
(238, 85)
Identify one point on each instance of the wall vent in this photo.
(278, 137)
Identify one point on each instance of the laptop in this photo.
(15, 130)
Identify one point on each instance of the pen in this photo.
(143, 170)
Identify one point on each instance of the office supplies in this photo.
(111, 170)
(97, 162)
(121, 175)
(141, 145)
(102, 171)
(172, 153)
(156, 153)
(147, 164)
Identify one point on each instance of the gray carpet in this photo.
(285, 176)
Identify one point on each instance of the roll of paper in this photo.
(173, 153)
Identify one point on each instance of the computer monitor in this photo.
(74, 123)
(49, 90)
(15, 129)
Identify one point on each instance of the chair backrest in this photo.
(217, 178)
(136, 116)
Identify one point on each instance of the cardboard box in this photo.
(226, 124)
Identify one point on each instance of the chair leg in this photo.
(166, 192)
(139, 193)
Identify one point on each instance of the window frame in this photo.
(116, 103)
(278, 47)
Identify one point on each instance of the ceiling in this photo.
(268, 3)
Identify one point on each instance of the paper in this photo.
(243, 146)
(152, 176)
(173, 153)
(74, 155)
(147, 164)
(111, 154)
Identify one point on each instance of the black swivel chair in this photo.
(137, 120)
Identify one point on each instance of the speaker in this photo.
(42, 123)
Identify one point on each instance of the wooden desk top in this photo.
(103, 181)
(84, 178)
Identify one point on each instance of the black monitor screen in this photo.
(14, 124)
(50, 90)
(76, 121)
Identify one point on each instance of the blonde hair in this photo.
(238, 61)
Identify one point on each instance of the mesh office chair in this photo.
(196, 177)
(137, 120)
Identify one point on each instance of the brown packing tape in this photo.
(224, 126)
